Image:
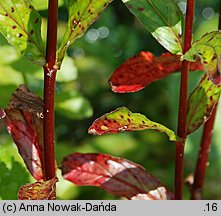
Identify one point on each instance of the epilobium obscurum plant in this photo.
(30, 119)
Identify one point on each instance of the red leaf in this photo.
(115, 175)
(145, 68)
(25, 124)
(42, 190)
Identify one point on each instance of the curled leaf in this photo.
(115, 175)
(42, 190)
(122, 119)
(163, 19)
(208, 48)
(201, 103)
(81, 15)
(20, 24)
(143, 69)
(24, 122)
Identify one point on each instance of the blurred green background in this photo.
(83, 94)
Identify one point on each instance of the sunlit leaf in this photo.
(20, 23)
(25, 124)
(115, 175)
(201, 103)
(145, 68)
(42, 190)
(163, 19)
(122, 119)
(208, 48)
(81, 15)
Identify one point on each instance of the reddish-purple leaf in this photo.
(25, 124)
(144, 68)
(42, 190)
(115, 175)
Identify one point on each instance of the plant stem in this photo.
(203, 155)
(49, 91)
(181, 130)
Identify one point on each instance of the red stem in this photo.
(49, 91)
(203, 155)
(181, 130)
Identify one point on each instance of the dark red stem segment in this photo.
(203, 156)
(181, 130)
(200, 171)
(49, 91)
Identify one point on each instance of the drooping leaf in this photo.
(81, 15)
(208, 48)
(163, 19)
(122, 119)
(145, 68)
(115, 175)
(20, 24)
(25, 124)
(201, 103)
(42, 190)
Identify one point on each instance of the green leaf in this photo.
(73, 105)
(20, 24)
(163, 19)
(122, 119)
(208, 48)
(81, 15)
(201, 103)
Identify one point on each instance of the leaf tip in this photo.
(92, 131)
